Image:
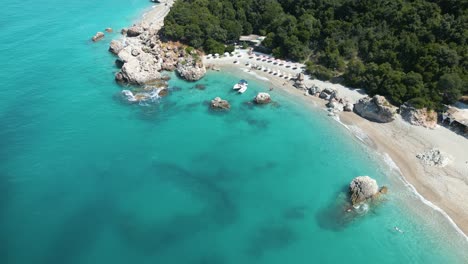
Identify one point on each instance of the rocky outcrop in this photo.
(109, 30)
(116, 46)
(143, 55)
(419, 117)
(262, 98)
(139, 69)
(191, 70)
(376, 109)
(134, 31)
(434, 157)
(363, 188)
(220, 104)
(97, 37)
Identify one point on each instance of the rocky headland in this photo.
(143, 55)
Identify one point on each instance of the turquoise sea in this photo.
(86, 178)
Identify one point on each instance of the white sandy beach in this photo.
(445, 188)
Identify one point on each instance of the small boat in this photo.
(240, 85)
(243, 89)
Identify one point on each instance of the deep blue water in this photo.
(85, 178)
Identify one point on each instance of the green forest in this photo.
(412, 51)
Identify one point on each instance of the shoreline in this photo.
(443, 189)
(399, 140)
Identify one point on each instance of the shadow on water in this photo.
(271, 238)
(219, 211)
(203, 185)
(295, 213)
(80, 231)
(339, 213)
(211, 259)
(5, 194)
(154, 238)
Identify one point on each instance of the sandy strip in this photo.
(445, 188)
(154, 17)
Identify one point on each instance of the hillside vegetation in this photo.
(406, 50)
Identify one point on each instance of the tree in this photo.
(450, 85)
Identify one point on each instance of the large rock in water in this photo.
(219, 103)
(97, 37)
(376, 109)
(362, 188)
(419, 117)
(262, 98)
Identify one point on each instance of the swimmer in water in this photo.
(398, 229)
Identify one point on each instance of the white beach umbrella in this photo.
(216, 54)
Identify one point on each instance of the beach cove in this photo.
(89, 178)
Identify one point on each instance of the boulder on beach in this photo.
(418, 117)
(219, 103)
(115, 46)
(328, 93)
(262, 98)
(362, 188)
(376, 109)
(348, 106)
(97, 37)
(434, 157)
(335, 105)
(314, 90)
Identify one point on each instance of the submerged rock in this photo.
(200, 86)
(97, 37)
(219, 103)
(376, 109)
(108, 30)
(362, 188)
(262, 98)
(419, 117)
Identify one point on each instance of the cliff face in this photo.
(142, 56)
(419, 117)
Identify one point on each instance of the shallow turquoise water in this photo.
(86, 178)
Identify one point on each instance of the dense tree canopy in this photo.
(403, 49)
